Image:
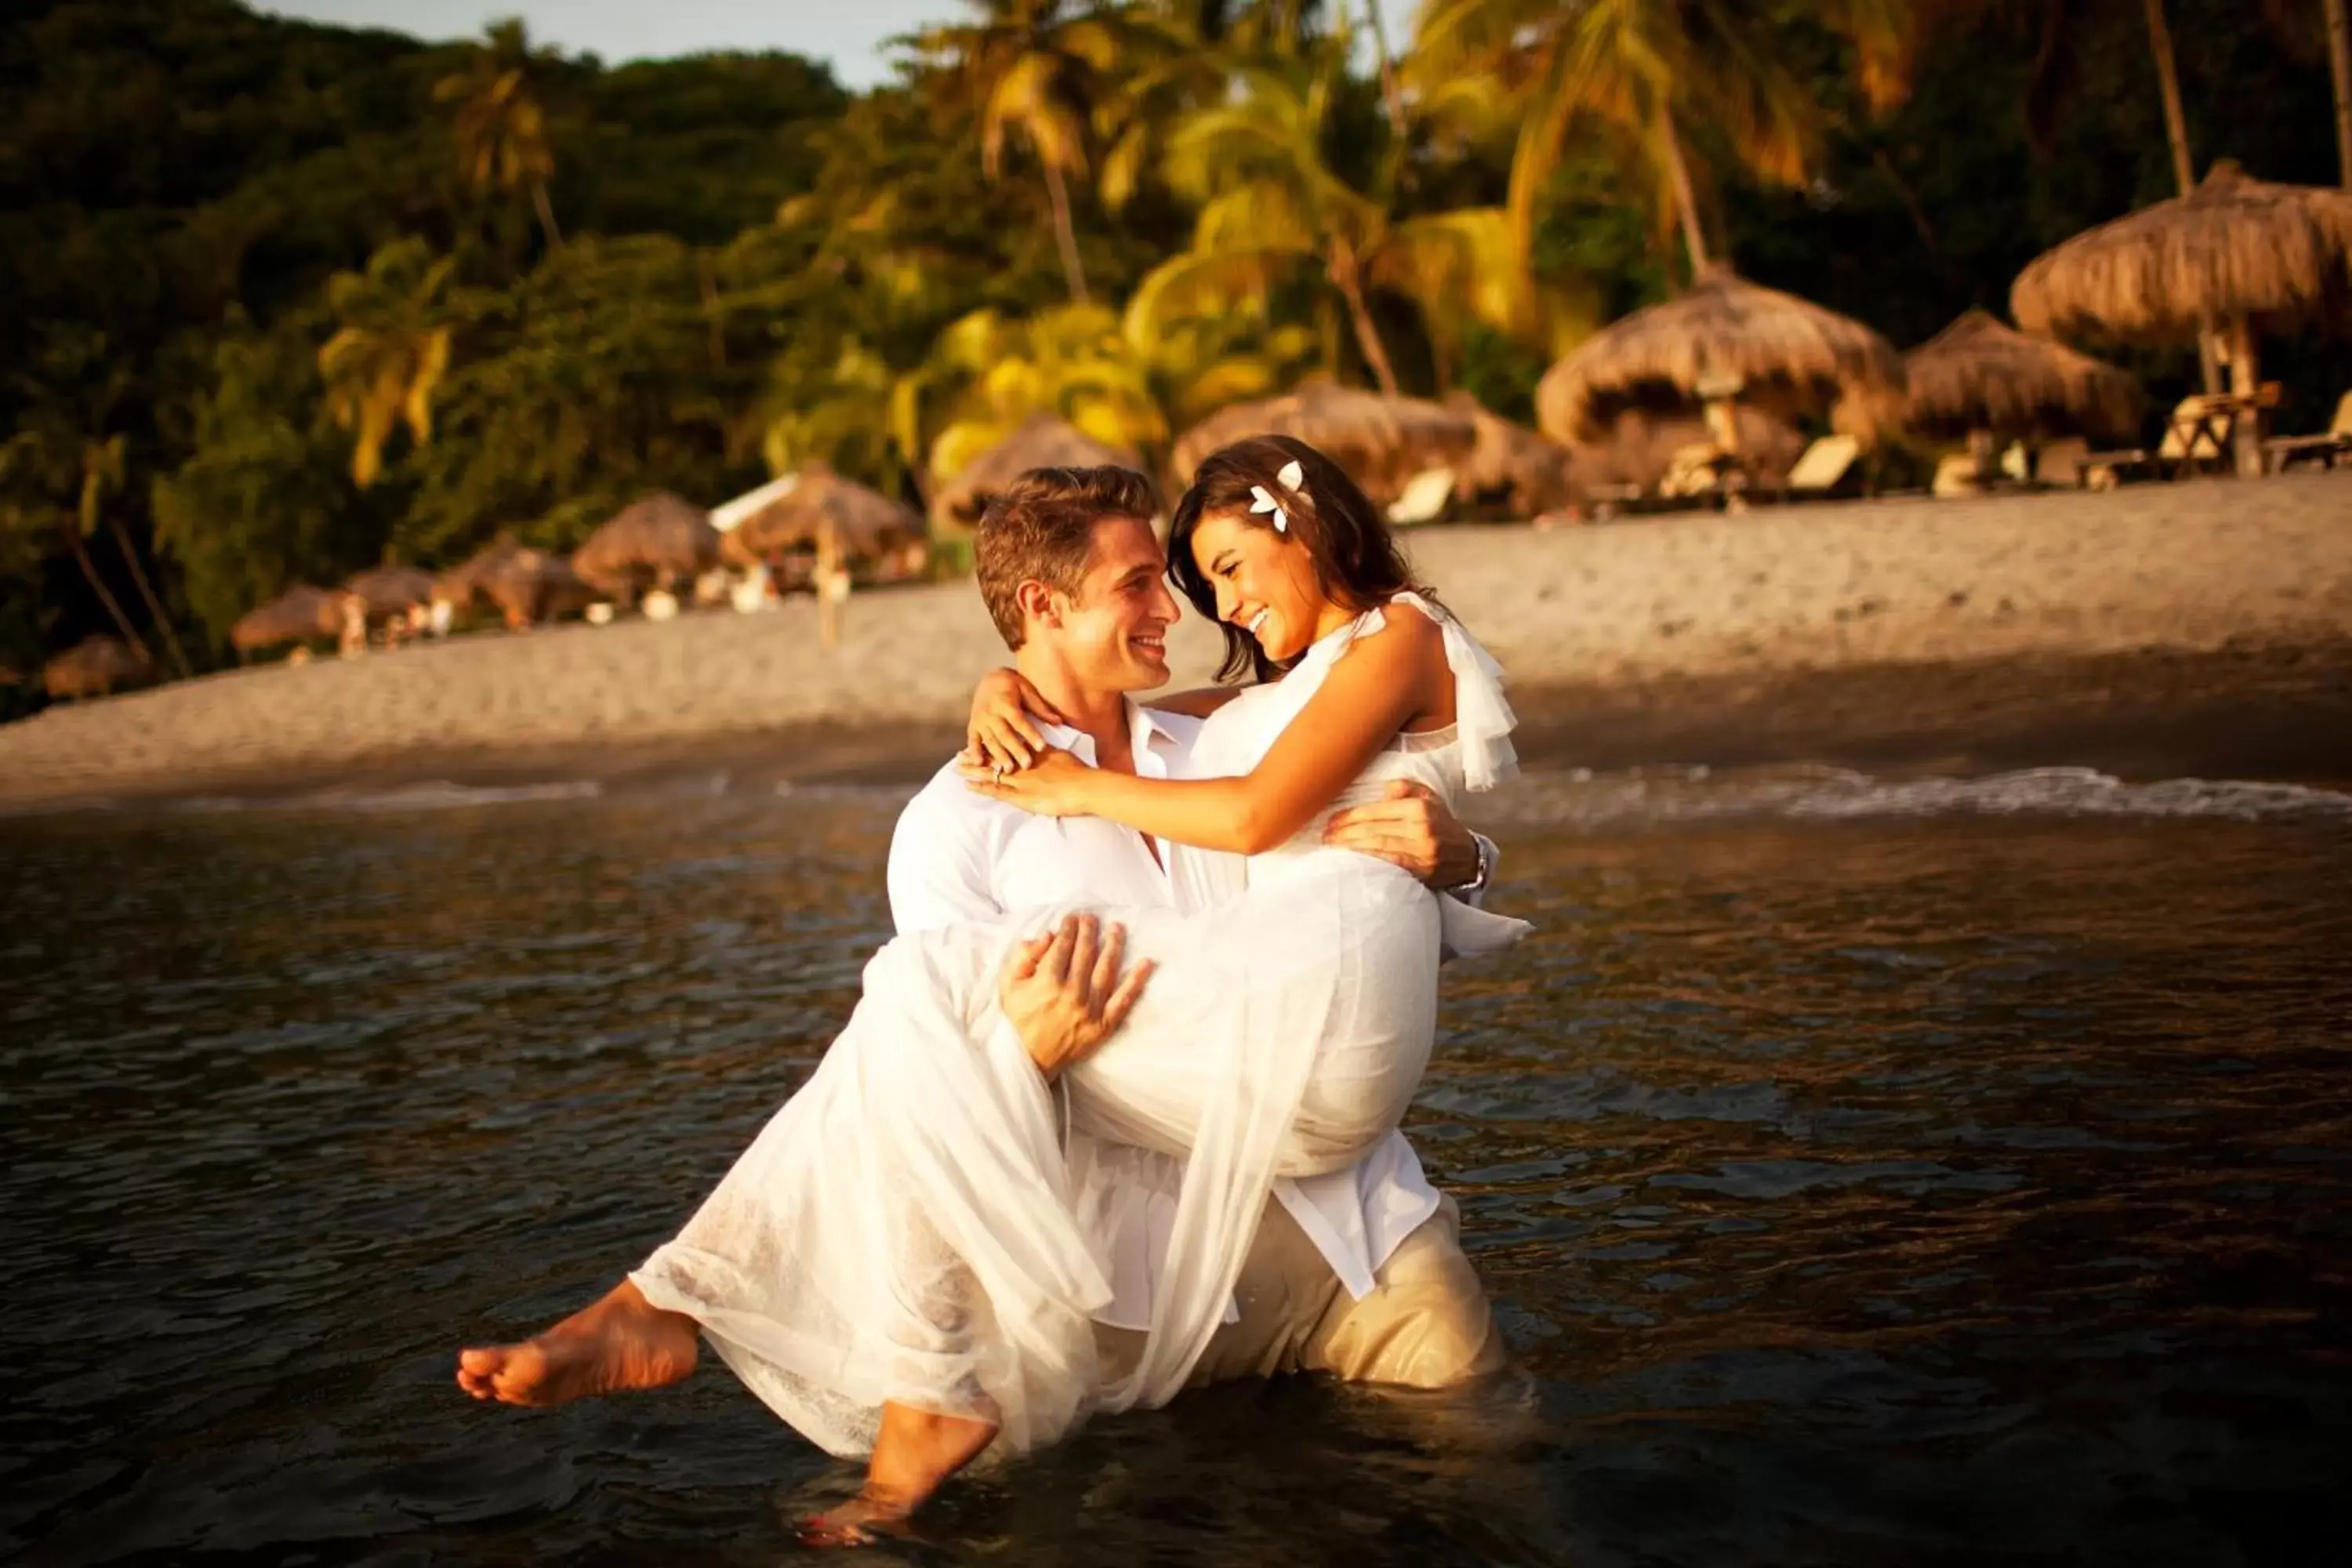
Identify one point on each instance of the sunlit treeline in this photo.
(289, 300)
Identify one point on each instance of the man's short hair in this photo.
(1042, 526)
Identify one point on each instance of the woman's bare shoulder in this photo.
(1410, 627)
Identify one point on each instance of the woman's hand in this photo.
(1005, 712)
(1055, 784)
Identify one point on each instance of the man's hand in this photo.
(1063, 992)
(1412, 828)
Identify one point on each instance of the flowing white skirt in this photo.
(903, 1229)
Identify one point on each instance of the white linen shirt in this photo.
(957, 856)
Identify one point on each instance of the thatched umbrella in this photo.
(793, 513)
(659, 541)
(297, 614)
(1725, 341)
(458, 584)
(391, 591)
(94, 668)
(2241, 254)
(1982, 379)
(1638, 448)
(1042, 441)
(1382, 442)
(531, 585)
(1532, 474)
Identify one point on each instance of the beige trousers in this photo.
(1426, 1323)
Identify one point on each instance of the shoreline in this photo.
(2201, 629)
(2275, 713)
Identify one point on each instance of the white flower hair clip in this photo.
(1290, 479)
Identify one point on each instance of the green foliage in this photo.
(266, 499)
(223, 232)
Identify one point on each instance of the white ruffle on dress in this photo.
(903, 1227)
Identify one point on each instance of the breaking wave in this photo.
(1580, 797)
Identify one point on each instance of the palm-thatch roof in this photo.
(1638, 448)
(1041, 441)
(1785, 355)
(388, 591)
(660, 541)
(2235, 247)
(458, 583)
(1381, 441)
(1979, 374)
(790, 512)
(1529, 474)
(93, 667)
(296, 615)
(529, 585)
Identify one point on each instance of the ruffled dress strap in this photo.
(1482, 714)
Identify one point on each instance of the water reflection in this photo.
(1892, 1192)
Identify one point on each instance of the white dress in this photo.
(903, 1229)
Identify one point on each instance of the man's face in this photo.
(1112, 634)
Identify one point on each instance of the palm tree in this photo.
(1037, 74)
(1070, 361)
(502, 126)
(64, 448)
(382, 367)
(1270, 200)
(46, 459)
(1652, 69)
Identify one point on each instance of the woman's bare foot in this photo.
(914, 1452)
(622, 1341)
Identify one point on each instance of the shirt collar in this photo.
(1146, 729)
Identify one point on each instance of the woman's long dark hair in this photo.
(1357, 562)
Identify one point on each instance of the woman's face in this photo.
(1264, 582)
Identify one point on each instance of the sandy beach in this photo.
(2180, 620)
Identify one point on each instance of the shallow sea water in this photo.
(1920, 1173)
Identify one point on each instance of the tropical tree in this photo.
(1271, 202)
(584, 385)
(67, 462)
(847, 411)
(501, 125)
(264, 497)
(1653, 70)
(384, 364)
(1035, 74)
(990, 372)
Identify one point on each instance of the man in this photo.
(1359, 1273)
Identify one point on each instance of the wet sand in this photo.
(2197, 628)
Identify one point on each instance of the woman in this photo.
(898, 1245)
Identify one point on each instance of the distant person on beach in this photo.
(913, 1261)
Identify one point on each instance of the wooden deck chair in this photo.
(1956, 476)
(1693, 470)
(1824, 465)
(2325, 448)
(2210, 445)
(1424, 498)
(2061, 463)
(2105, 470)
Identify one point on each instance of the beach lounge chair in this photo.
(2061, 463)
(1696, 470)
(1423, 498)
(2193, 434)
(1957, 475)
(1825, 466)
(2325, 448)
